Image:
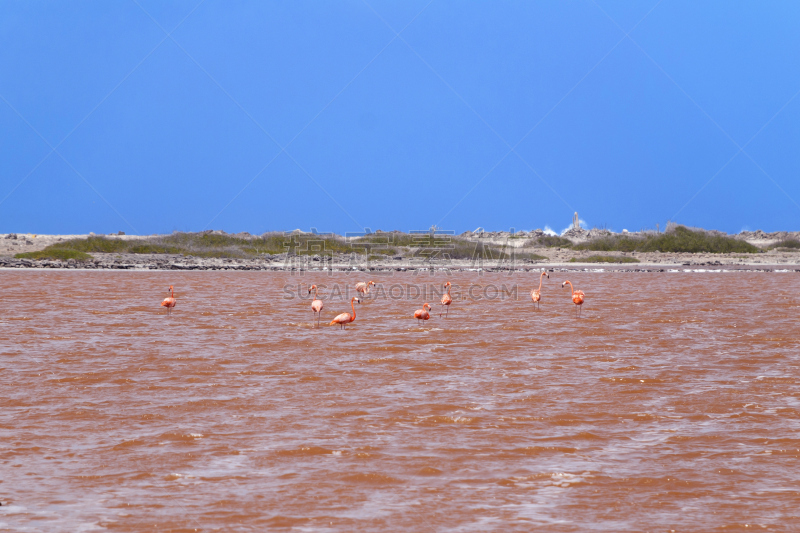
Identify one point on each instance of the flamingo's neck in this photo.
(541, 278)
(571, 287)
(448, 290)
(315, 293)
(353, 306)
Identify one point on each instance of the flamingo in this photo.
(316, 304)
(446, 300)
(577, 296)
(170, 301)
(363, 287)
(536, 294)
(346, 318)
(424, 313)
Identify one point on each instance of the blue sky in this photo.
(149, 117)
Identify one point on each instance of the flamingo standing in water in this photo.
(536, 294)
(577, 296)
(424, 313)
(446, 300)
(170, 301)
(346, 318)
(363, 287)
(316, 304)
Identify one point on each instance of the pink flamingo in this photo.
(170, 301)
(424, 313)
(346, 318)
(363, 287)
(446, 300)
(536, 294)
(577, 296)
(316, 304)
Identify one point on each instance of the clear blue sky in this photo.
(259, 115)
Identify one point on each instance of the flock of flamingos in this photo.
(420, 314)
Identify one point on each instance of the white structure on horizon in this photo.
(576, 224)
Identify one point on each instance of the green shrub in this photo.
(550, 241)
(93, 244)
(212, 245)
(153, 249)
(612, 243)
(677, 240)
(604, 259)
(792, 244)
(56, 253)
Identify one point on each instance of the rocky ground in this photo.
(560, 258)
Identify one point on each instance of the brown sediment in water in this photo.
(672, 403)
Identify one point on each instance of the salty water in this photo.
(672, 403)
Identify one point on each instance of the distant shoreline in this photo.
(574, 250)
(128, 263)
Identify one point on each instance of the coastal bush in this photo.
(216, 245)
(210, 245)
(679, 239)
(550, 241)
(153, 249)
(604, 259)
(437, 246)
(53, 254)
(792, 244)
(92, 245)
(475, 250)
(203, 244)
(612, 243)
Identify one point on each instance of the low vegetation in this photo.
(787, 244)
(245, 246)
(604, 259)
(55, 254)
(208, 244)
(676, 240)
(550, 241)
